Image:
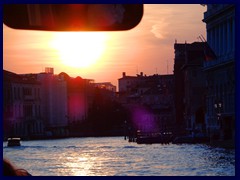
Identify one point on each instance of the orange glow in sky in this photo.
(103, 56)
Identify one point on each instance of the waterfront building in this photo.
(54, 103)
(79, 93)
(190, 86)
(22, 106)
(192, 79)
(179, 60)
(149, 99)
(220, 71)
(44, 104)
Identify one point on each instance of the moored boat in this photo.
(152, 138)
(14, 142)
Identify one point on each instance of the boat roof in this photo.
(14, 139)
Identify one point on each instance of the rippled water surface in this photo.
(113, 156)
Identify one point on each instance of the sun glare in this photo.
(79, 49)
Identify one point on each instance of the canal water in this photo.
(114, 156)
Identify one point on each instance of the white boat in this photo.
(14, 142)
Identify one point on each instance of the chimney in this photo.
(49, 70)
(123, 74)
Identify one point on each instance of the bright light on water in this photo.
(115, 156)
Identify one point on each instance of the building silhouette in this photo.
(53, 103)
(79, 99)
(189, 87)
(106, 85)
(150, 101)
(44, 105)
(21, 106)
(220, 71)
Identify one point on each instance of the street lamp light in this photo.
(218, 105)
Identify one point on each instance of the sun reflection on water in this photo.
(85, 165)
(116, 157)
(79, 166)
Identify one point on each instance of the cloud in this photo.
(168, 22)
(159, 29)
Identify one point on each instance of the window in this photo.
(27, 91)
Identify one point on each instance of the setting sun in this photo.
(79, 50)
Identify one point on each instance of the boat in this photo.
(152, 138)
(14, 142)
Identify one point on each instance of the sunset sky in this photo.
(103, 56)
